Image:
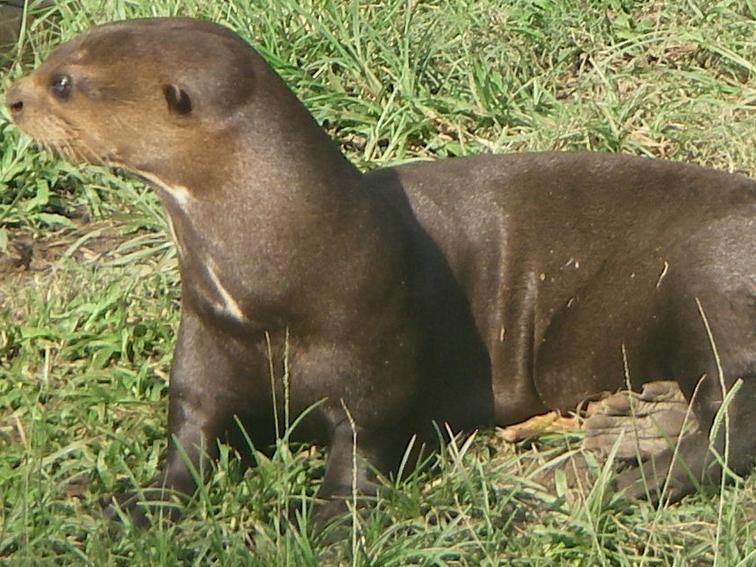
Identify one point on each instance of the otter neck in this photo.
(281, 139)
(276, 206)
(269, 152)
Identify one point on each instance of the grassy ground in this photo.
(89, 295)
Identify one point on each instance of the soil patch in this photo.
(27, 253)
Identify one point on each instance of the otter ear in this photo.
(177, 99)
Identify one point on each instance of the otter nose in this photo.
(14, 100)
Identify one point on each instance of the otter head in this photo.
(151, 96)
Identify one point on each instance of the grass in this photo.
(86, 333)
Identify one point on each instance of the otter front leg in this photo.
(198, 413)
(351, 470)
(191, 447)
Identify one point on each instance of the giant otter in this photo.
(471, 291)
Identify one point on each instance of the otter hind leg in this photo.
(704, 337)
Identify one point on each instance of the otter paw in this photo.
(642, 424)
(141, 507)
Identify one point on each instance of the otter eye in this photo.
(61, 86)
